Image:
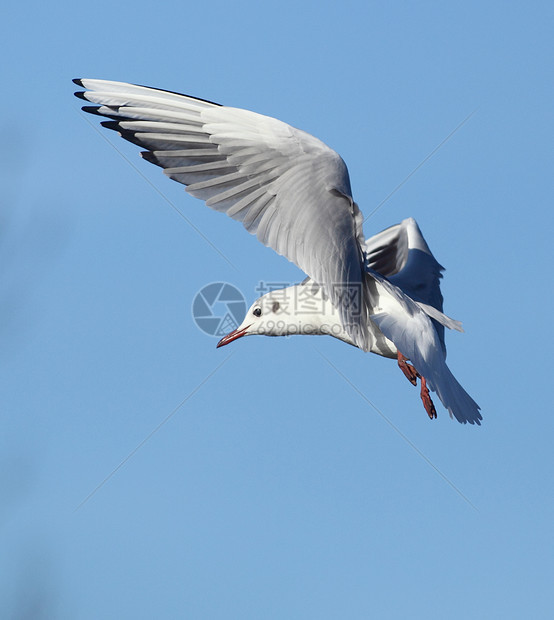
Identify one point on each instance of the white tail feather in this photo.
(439, 316)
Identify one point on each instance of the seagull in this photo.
(293, 192)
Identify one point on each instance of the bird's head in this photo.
(298, 309)
(267, 316)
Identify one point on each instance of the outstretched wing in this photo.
(284, 185)
(401, 254)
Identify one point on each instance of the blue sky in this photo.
(276, 490)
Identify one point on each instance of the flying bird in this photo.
(293, 192)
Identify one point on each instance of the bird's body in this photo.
(398, 325)
(293, 192)
(304, 310)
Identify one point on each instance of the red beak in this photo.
(236, 333)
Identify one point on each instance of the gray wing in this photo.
(401, 254)
(285, 186)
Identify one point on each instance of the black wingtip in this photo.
(81, 95)
(129, 136)
(92, 109)
(110, 125)
(95, 109)
(78, 81)
(174, 92)
(149, 156)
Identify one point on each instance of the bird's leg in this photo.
(412, 375)
(426, 398)
(409, 371)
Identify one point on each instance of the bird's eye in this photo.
(257, 312)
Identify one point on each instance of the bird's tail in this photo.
(409, 327)
(459, 403)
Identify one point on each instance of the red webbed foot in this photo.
(426, 398)
(409, 371)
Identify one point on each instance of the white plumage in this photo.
(293, 192)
